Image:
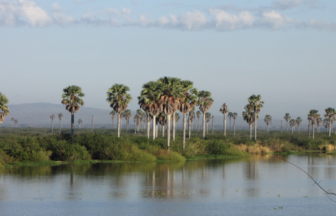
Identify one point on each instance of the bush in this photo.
(217, 147)
(63, 151)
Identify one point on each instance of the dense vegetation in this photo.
(34, 145)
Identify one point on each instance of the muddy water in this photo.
(260, 185)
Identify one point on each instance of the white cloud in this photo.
(145, 21)
(193, 20)
(273, 19)
(225, 21)
(56, 7)
(23, 11)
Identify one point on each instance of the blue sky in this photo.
(282, 49)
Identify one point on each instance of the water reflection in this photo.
(249, 177)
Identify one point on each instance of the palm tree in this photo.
(224, 109)
(171, 91)
(177, 117)
(60, 116)
(313, 116)
(113, 114)
(140, 117)
(287, 117)
(235, 115)
(319, 123)
(4, 111)
(330, 114)
(208, 119)
(257, 104)
(136, 120)
(52, 117)
(198, 114)
(205, 102)
(127, 114)
(12, 119)
(16, 122)
(191, 118)
(326, 123)
(292, 123)
(230, 115)
(149, 102)
(80, 122)
(162, 120)
(298, 122)
(248, 116)
(187, 104)
(73, 101)
(119, 99)
(268, 121)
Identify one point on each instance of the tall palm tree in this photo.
(149, 102)
(330, 114)
(313, 116)
(298, 122)
(119, 99)
(140, 118)
(113, 114)
(235, 115)
(208, 119)
(52, 117)
(198, 114)
(191, 118)
(72, 99)
(205, 102)
(224, 109)
(287, 117)
(268, 121)
(128, 115)
(187, 105)
(80, 122)
(162, 120)
(136, 120)
(16, 122)
(4, 111)
(319, 123)
(257, 104)
(230, 115)
(171, 91)
(60, 116)
(12, 119)
(326, 123)
(249, 116)
(292, 123)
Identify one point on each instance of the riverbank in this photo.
(32, 148)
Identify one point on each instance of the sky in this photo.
(283, 50)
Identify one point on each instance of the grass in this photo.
(32, 146)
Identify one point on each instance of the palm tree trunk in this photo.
(207, 128)
(287, 124)
(197, 124)
(281, 126)
(309, 129)
(163, 130)
(190, 125)
(184, 129)
(52, 126)
(157, 130)
(174, 126)
(255, 126)
(299, 128)
(119, 124)
(292, 130)
(72, 123)
(148, 126)
(112, 123)
(234, 128)
(154, 127)
(224, 124)
(313, 126)
(168, 132)
(135, 127)
(329, 128)
(60, 126)
(267, 128)
(204, 125)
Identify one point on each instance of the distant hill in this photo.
(37, 115)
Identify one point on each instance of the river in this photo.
(260, 185)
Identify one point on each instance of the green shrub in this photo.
(63, 151)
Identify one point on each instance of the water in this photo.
(260, 185)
